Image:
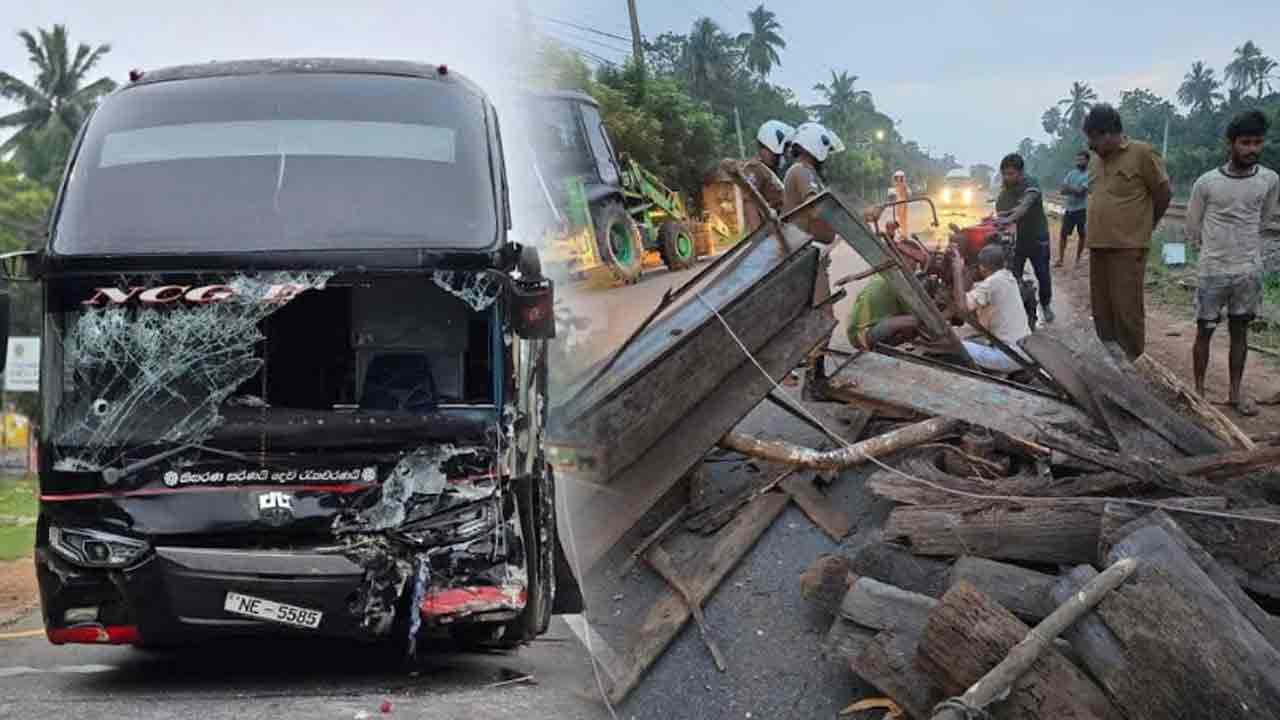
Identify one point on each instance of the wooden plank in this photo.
(968, 634)
(703, 574)
(1049, 531)
(817, 506)
(1168, 644)
(1062, 365)
(934, 391)
(1267, 624)
(633, 412)
(604, 515)
(1134, 438)
(1111, 375)
(1176, 392)
(1249, 549)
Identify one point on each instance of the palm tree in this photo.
(708, 56)
(58, 102)
(1077, 103)
(1251, 69)
(1199, 89)
(761, 45)
(1263, 75)
(1051, 121)
(842, 99)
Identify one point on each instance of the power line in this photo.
(581, 51)
(584, 27)
(593, 41)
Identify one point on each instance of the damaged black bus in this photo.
(293, 368)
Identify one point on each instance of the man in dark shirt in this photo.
(1020, 203)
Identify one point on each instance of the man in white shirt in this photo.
(996, 300)
(1229, 205)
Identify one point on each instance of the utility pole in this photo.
(737, 123)
(637, 48)
(1164, 148)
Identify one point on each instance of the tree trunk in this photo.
(1248, 549)
(968, 634)
(897, 566)
(889, 663)
(1026, 593)
(1266, 623)
(1168, 644)
(843, 458)
(827, 581)
(1064, 530)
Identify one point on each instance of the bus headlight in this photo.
(946, 195)
(94, 548)
(968, 196)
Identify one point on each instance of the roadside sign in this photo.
(22, 365)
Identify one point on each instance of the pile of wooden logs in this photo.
(1004, 528)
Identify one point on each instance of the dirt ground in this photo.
(1170, 334)
(17, 590)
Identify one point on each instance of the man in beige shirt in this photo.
(1128, 194)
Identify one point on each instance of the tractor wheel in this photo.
(675, 243)
(618, 242)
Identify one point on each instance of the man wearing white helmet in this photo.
(762, 170)
(810, 148)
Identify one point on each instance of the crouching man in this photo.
(997, 302)
(879, 316)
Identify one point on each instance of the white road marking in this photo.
(72, 669)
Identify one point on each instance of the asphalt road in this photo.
(288, 680)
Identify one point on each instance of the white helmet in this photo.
(773, 134)
(817, 141)
(899, 174)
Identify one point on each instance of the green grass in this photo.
(17, 516)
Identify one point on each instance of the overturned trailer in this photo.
(294, 371)
(638, 422)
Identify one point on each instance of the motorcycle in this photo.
(972, 239)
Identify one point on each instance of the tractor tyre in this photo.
(618, 242)
(676, 245)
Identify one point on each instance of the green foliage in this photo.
(1196, 135)
(24, 205)
(17, 516)
(55, 105)
(678, 117)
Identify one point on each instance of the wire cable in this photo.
(961, 493)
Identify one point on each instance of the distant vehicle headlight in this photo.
(946, 195)
(968, 196)
(94, 548)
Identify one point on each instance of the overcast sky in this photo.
(967, 78)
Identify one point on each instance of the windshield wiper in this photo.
(112, 476)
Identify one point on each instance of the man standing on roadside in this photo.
(901, 212)
(1075, 188)
(1128, 194)
(1020, 203)
(1229, 205)
(762, 171)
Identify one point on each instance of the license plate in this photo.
(270, 610)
